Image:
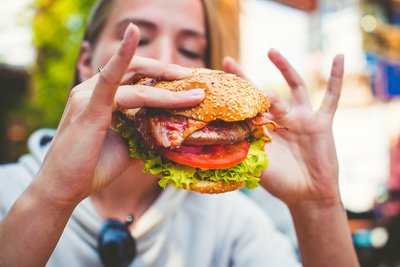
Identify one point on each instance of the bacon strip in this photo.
(171, 131)
(164, 130)
(260, 126)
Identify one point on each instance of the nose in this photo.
(166, 51)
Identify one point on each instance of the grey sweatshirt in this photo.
(180, 229)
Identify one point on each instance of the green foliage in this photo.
(58, 28)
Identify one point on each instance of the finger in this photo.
(110, 76)
(332, 96)
(296, 83)
(279, 108)
(147, 67)
(131, 97)
(231, 66)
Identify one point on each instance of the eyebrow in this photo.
(138, 22)
(150, 25)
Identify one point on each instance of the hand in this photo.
(303, 169)
(86, 155)
(302, 160)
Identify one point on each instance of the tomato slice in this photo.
(209, 157)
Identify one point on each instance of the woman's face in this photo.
(172, 31)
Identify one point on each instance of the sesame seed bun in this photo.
(207, 187)
(228, 97)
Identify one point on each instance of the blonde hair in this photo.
(222, 22)
(223, 30)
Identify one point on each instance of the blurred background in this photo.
(39, 42)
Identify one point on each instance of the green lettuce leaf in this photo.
(181, 176)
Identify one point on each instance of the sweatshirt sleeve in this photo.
(258, 243)
(14, 179)
(3, 209)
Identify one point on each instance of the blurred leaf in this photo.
(58, 27)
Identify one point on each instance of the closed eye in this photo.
(190, 54)
(144, 42)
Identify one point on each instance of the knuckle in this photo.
(139, 68)
(164, 67)
(108, 81)
(78, 97)
(141, 95)
(75, 97)
(170, 96)
(74, 92)
(295, 85)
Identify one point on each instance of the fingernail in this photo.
(194, 93)
(129, 32)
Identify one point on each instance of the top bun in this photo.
(228, 97)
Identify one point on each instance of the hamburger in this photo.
(215, 147)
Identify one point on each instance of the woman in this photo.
(173, 228)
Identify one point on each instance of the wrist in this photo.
(323, 233)
(320, 204)
(316, 210)
(42, 189)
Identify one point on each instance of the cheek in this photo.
(190, 63)
(149, 51)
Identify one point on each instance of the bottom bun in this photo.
(207, 187)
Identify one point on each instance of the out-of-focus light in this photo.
(16, 132)
(379, 237)
(369, 23)
(376, 238)
(382, 195)
(362, 238)
(15, 33)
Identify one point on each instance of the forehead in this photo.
(169, 13)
